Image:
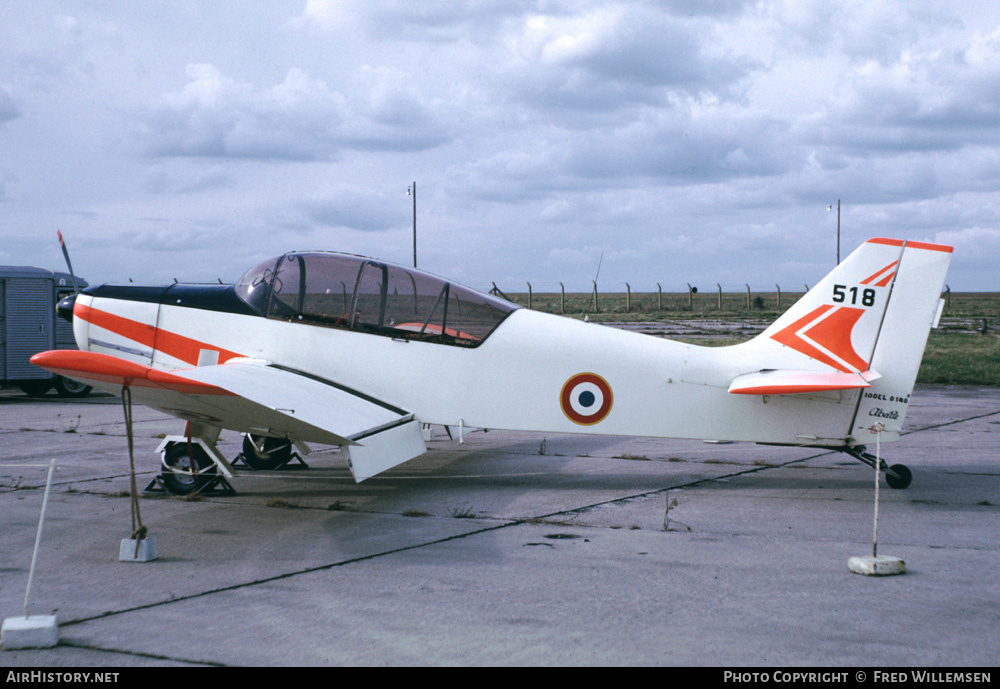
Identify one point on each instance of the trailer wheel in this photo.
(67, 387)
(35, 388)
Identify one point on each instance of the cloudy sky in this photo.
(679, 141)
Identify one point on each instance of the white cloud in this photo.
(216, 116)
(695, 133)
(301, 118)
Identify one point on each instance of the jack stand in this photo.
(217, 487)
(208, 446)
(240, 463)
(155, 486)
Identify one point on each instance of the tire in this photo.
(902, 477)
(67, 387)
(264, 453)
(176, 474)
(35, 388)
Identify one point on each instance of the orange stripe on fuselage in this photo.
(143, 333)
(180, 347)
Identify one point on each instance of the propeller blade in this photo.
(69, 264)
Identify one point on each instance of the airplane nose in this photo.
(65, 307)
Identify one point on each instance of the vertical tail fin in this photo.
(913, 309)
(868, 320)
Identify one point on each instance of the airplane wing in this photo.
(786, 382)
(253, 396)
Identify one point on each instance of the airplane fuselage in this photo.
(521, 377)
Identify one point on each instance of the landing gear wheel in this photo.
(898, 476)
(176, 475)
(67, 387)
(35, 388)
(263, 453)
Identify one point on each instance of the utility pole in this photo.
(830, 208)
(412, 191)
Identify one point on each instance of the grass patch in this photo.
(463, 512)
(953, 358)
(416, 513)
(278, 502)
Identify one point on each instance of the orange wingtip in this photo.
(95, 367)
(912, 245)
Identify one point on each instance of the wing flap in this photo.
(788, 382)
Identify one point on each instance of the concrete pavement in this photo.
(512, 548)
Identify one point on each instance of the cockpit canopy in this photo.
(356, 293)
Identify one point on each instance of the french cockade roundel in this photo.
(586, 399)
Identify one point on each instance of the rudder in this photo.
(913, 309)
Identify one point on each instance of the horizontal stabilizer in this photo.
(775, 382)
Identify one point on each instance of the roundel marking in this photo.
(586, 399)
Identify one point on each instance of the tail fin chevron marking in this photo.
(824, 334)
(885, 280)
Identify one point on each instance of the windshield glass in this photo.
(344, 291)
(255, 286)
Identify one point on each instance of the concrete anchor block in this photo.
(34, 631)
(876, 565)
(146, 552)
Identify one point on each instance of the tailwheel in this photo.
(898, 476)
(263, 452)
(177, 473)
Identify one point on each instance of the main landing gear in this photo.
(195, 465)
(187, 469)
(896, 476)
(192, 465)
(265, 453)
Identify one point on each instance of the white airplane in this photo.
(329, 348)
